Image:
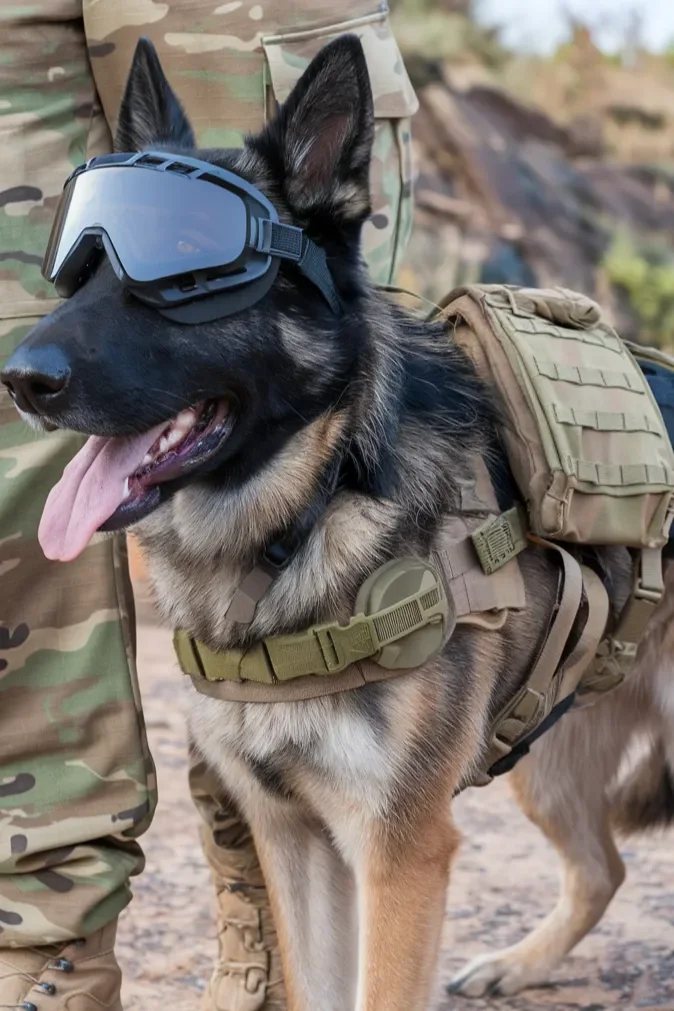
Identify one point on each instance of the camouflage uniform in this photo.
(77, 783)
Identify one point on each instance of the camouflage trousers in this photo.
(77, 784)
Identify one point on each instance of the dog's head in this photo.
(209, 407)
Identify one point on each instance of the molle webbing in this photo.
(585, 438)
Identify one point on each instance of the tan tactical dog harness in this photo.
(592, 459)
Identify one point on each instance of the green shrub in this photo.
(644, 271)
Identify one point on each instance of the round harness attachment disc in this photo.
(395, 582)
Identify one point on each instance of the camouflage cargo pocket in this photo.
(386, 234)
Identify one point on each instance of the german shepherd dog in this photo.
(356, 433)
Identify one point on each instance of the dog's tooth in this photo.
(185, 422)
(163, 444)
(148, 458)
(175, 436)
(127, 490)
(185, 419)
(181, 426)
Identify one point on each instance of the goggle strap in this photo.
(314, 266)
(289, 243)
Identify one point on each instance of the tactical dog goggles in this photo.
(188, 238)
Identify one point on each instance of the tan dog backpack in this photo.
(590, 453)
(584, 436)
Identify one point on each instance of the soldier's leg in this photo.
(247, 974)
(76, 778)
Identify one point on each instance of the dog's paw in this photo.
(497, 975)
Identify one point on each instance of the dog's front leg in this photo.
(402, 880)
(312, 894)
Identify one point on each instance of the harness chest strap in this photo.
(293, 667)
(403, 617)
(400, 633)
(322, 649)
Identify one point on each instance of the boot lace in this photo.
(56, 963)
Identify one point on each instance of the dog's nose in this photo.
(36, 378)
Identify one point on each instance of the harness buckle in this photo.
(613, 662)
(342, 645)
(528, 707)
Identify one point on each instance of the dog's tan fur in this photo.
(348, 795)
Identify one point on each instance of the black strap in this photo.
(523, 747)
(290, 243)
(314, 266)
(284, 547)
(279, 240)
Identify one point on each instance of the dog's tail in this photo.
(644, 799)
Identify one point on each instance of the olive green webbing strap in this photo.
(320, 650)
(331, 648)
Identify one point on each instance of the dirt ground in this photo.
(505, 879)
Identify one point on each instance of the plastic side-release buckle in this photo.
(403, 618)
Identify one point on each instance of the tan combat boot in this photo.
(247, 974)
(77, 976)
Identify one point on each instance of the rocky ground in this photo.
(505, 879)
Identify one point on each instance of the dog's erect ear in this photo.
(150, 113)
(321, 141)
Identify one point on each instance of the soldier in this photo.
(77, 785)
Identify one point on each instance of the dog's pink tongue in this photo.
(92, 487)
